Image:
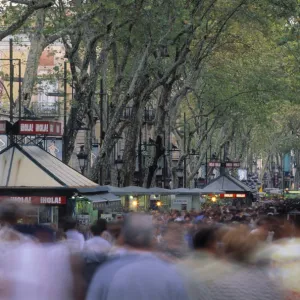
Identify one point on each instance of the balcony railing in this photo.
(149, 114)
(46, 109)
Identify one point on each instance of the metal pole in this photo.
(11, 82)
(164, 174)
(140, 157)
(184, 146)
(20, 91)
(283, 173)
(100, 181)
(65, 115)
(206, 159)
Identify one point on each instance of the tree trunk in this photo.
(132, 137)
(37, 45)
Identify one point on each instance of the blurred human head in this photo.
(137, 230)
(205, 239)
(70, 224)
(99, 227)
(239, 244)
(10, 212)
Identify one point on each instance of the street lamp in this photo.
(119, 165)
(82, 159)
(179, 172)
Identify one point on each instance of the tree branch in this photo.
(22, 19)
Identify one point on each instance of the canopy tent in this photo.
(225, 183)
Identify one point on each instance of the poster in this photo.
(83, 219)
(94, 154)
(54, 147)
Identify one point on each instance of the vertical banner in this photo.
(287, 163)
(3, 142)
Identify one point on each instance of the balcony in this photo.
(46, 109)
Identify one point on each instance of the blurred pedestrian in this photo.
(97, 243)
(209, 276)
(74, 237)
(137, 274)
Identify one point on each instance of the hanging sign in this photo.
(37, 200)
(214, 164)
(39, 127)
(233, 165)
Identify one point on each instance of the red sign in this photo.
(37, 200)
(40, 127)
(232, 165)
(3, 126)
(232, 195)
(214, 164)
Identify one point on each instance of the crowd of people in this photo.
(217, 253)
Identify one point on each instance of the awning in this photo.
(159, 191)
(103, 198)
(186, 191)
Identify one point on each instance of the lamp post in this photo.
(119, 164)
(82, 159)
(179, 173)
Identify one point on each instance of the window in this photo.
(44, 88)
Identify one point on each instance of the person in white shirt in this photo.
(73, 235)
(97, 243)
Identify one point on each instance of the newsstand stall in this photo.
(29, 174)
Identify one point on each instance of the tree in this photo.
(31, 7)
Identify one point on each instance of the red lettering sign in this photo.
(40, 127)
(232, 164)
(214, 164)
(37, 200)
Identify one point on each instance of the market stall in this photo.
(228, 189)
(33, 176)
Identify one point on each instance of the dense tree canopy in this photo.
(230, 68)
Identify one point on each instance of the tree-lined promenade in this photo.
(215, 75)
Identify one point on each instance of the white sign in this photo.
(83, 219)
(241, 195)
(107, 217)
(180, 201)
(228, 195)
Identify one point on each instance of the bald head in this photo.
(138, 230)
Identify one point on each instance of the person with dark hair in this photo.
(97, 243)
(205, 238)
(137, 274)
(10, 213)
